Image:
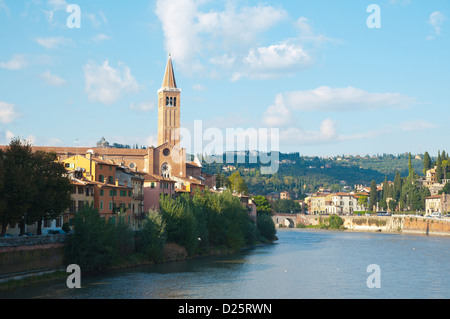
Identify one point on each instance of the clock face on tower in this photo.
(165, 170)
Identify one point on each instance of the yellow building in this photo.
(319, 203)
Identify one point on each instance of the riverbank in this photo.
(396, 224)
(404, 224)
(171, 253)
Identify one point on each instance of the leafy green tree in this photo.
(93, 246)
(262, 205)
(439, 173)
(18, 187)
(363, 201)
(385, 189)
(152, 237)
(2, 183)
(373, 198)
(392, 205)
(445, 165)
(446, 189)
(397, 185)
(266, 227)
(426, 163)
(53, 189)
(286, 206)
(237, 183)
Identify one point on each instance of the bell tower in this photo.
(169, 108)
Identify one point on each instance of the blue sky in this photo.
(312, 69)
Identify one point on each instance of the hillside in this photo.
(301, 174)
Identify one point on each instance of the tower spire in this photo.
(169, 77)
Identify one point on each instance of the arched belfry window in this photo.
(174, 101)
(167, 101)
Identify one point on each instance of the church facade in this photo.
(163, 169)
(167, 160)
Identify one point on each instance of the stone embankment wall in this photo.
(24, 254)
(391, 224)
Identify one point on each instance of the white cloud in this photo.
(326, 133)
(53, 79)
(52, 7)
(105, 84)
(273, 61)
(143, 107)
(436, 20)
(416, 125)
(53, 42)
(190, 33)
(8, 112)
(17, 62)
(100, 38)
(327, 99)
(9, 135)
(278, 115)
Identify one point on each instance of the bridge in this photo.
(292, 220)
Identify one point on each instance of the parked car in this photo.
(7, 235)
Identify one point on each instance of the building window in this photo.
(111, 180)
(101, 192)
(80, 190)
(101, 178)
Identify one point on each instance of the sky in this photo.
(349, 77)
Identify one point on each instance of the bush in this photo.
(97, 244)
(333, 222)
(266, 227)
(151, 239)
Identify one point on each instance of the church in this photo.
(163, 169)
(168, 159)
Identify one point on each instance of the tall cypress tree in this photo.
(373, 195)
(439, 168)
(397, 185)
(426, 163)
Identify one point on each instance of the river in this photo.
(302, 264)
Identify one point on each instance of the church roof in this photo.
(169, 77)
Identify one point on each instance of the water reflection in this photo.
(304, 264)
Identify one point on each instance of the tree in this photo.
(35, 186)
(237, 183)
(439, 168)
(53, 188)
(446, 189)
(2, 182)
(362, 201)
(385, 189)
(262, 205)
(445, 165)
(373, 198)
(18, 183)
(397, 185)
(426, 163)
